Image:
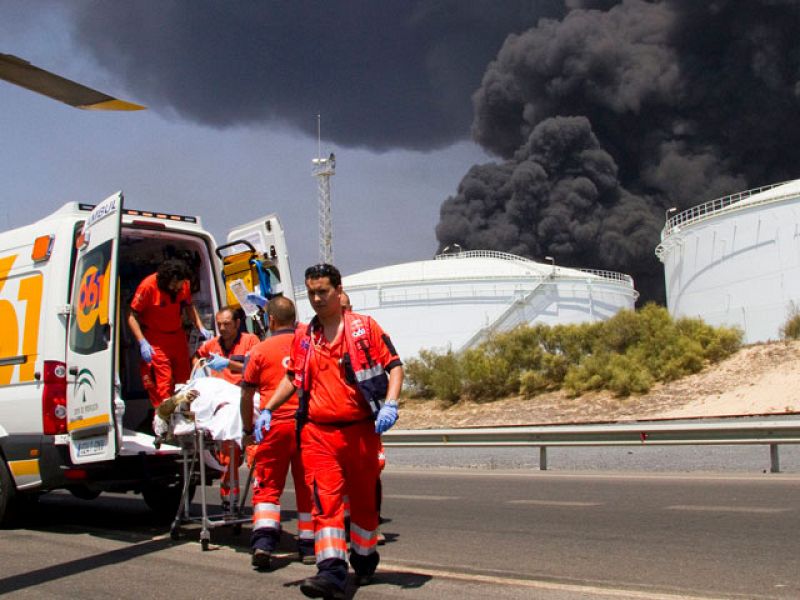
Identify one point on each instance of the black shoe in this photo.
(319, 587)
(362, 580)
(260, 559)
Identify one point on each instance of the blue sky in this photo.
(385, 204)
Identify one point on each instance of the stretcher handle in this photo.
(218, 250)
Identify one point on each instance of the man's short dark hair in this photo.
(282, 310)
(324, 270)
(235, 312)
(171, 269)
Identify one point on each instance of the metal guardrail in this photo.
(770, 431)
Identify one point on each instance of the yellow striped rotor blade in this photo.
(24, 74)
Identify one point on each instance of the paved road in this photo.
(452, 534)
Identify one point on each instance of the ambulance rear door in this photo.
(91, 337)
(266, 236)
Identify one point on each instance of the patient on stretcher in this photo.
(209, 404)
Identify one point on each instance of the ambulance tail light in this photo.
(54, 398)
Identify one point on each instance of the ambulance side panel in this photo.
(33, 296)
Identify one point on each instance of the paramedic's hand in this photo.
(217, 362)
(387, 416)
(206, 333)
(257, 299)
(146, 350)
(262, 424)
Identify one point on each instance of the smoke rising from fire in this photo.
(606, 118)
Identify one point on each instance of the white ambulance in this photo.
(73, 411)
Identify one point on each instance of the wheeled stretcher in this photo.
(206, 414)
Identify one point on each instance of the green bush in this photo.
(435, 375)
(626, 354)
(791, 328)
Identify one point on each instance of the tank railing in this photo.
(610, 275)
(456, 287)
(713, 207)
(481, 254)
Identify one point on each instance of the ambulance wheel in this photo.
(83, 492)
(164, 498)
(6, 495)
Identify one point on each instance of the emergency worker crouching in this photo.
(225, 355)
(277, 449)
(155, 321)
(339, 364)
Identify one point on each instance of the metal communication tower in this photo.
(323, 169)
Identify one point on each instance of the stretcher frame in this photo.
(193, 447)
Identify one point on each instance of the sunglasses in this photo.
(321, 270)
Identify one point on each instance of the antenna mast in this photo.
(323, 169)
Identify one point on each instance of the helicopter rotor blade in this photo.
(24, 74)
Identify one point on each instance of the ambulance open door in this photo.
(91, 336)
(266, 236)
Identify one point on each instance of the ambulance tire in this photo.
(83, 493)
(164, 498)
(7, 493)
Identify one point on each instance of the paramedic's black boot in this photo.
(362, 580)
(260, 559)
(319, 587)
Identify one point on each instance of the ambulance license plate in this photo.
(92, 446)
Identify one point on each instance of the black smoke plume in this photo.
(606, 118)
(383, 74)
(603, 113)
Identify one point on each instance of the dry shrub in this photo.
(625, 355)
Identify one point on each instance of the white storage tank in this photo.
(736, 260)
(455, 300)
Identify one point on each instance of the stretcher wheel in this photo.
(175, 532)
(204, 544)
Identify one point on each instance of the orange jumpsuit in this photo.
(340, 450)
(266, 367)
(159, 315)
(242, 344)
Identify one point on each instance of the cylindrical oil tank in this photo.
(455, 300)
(736, 260)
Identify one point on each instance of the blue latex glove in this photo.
(217, 362)
(206, 333)
(257, 299)
(387, 416)
(146, 350)
(262, 423)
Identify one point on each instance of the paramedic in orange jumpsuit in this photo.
(347, 306)
(155, 321)
(341, 438)
(277, 449)
(225, 356)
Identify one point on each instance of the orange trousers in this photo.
(343, 460)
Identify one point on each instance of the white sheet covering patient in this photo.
(215, 405)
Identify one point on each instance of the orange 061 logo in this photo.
(92, 299)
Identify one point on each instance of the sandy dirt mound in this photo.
(759, 379)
